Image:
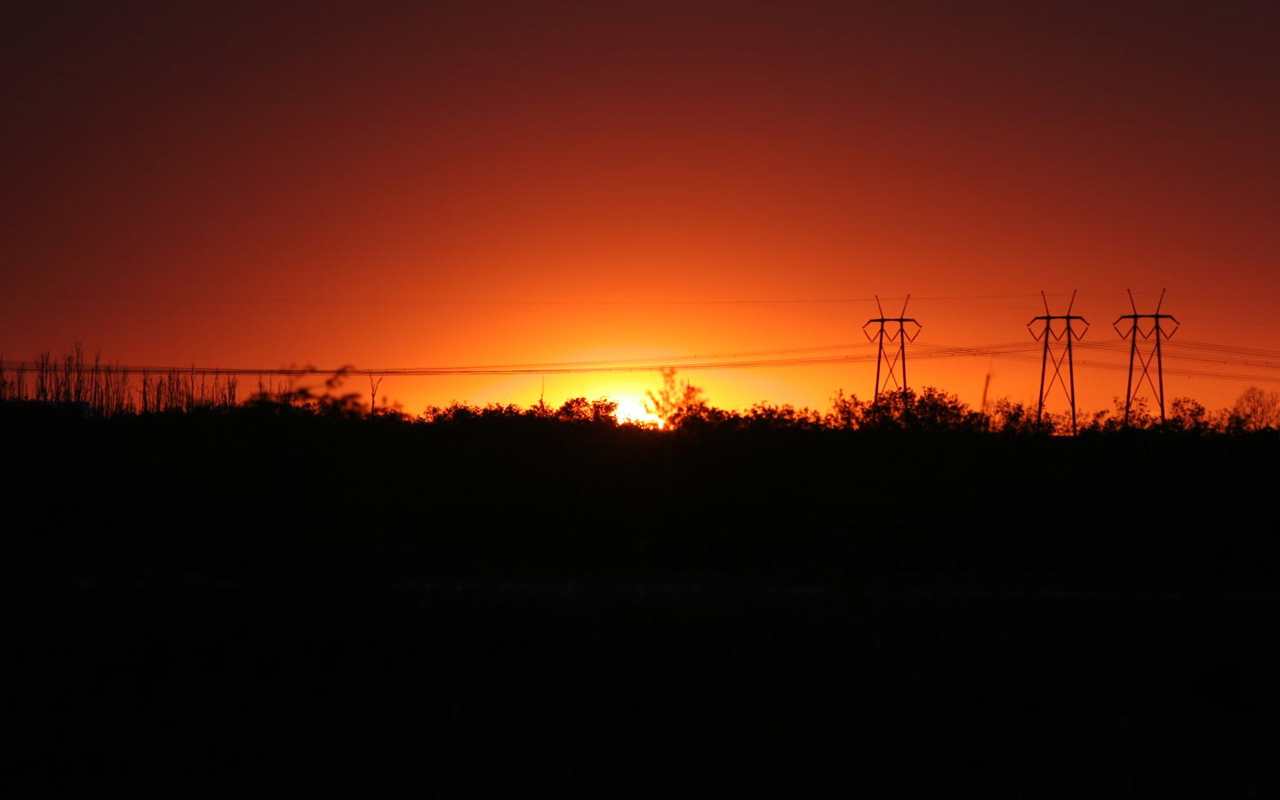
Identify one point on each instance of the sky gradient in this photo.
(413, 184)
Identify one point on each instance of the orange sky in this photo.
(386, 186)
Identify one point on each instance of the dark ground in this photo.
(303, 607)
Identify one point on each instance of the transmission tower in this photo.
(1154, 334)
(1064, 335)
(885, 356)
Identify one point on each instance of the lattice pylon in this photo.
(891, 365)
(1154, 334)
(1064, 335)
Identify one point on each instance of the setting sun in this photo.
(631, 410)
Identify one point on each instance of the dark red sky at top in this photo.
(409, 184)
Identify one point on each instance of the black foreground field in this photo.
(296, 606)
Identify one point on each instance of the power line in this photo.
(1229, 355)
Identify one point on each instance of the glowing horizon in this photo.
(552, 185)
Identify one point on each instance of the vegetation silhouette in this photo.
(103, 389)
(251, 592)
(676, 402)
(1256, 409)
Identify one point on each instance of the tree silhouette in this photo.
(1010, 417)
(1257, 409)
(1189, 416)
(580, 409)
(846, 412)
(928, 410)
(677, 402)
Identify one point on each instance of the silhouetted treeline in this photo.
(74, 385)
(500, 490)
(898, 599)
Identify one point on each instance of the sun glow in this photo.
(631, 410)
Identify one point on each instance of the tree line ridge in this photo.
(76, 385)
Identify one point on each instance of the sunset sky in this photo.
(266, 184)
